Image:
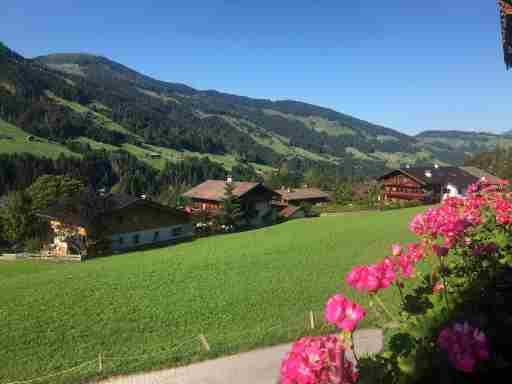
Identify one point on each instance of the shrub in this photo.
(453, 284)
(33, 245)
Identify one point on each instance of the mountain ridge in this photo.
(77, 97)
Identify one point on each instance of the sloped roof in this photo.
(215, 190)
(289, 211)
(87, 207)
(506, 29)
(477, 172)
(302, 194)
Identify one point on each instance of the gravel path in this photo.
(256, 367)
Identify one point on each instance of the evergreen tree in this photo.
(49, 189)
(18, 220)
(231, 212)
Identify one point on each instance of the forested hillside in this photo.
(76, 107)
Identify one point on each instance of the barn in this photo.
(114, 222)
(300, 196)
(254, 197)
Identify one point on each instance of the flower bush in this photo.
(317, 360)
(343, 313)
(465, 346)
(453, 284)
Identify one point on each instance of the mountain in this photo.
(463, 141)
(79, 101)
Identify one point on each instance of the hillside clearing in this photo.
(241, 291)
(14, 140)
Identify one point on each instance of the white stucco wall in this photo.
(452, 191)
(147, 237)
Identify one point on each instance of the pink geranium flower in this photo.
(364, 278)
(343, 313)
(396, 250)
(373, 277)
(465, 346)
(317, 360)
(440, 250)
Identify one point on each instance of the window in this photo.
(120, 219)
(177, 231)
(136, 239)
(156, 236)
(121, 240)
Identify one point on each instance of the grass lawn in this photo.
(17, 143)
(240, 290)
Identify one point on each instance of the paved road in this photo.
(256, 367)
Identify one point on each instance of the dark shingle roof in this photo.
(302, 194)
(215, 190)
(477, 172)
(85, 208)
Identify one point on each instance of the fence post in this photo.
(204, 342)
(100, 362)
(312, 319)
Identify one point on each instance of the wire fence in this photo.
(173, 353)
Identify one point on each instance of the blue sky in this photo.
(408, 65)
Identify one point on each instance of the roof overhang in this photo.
(506, 30)
(422, 182)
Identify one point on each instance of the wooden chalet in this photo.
(254, 197)
(506, 30)
(299, 196)
(431, 184)
(91, 225)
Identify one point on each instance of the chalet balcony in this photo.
(404, 195)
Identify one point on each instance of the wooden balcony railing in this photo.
(404, 195)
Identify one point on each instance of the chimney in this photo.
(229, 179)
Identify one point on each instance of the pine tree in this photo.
(231, 212)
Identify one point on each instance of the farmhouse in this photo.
(430, 184)
(299, 196)
(254, 198)
(113, 222)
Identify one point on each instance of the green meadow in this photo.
(14, 140)
(145, 310)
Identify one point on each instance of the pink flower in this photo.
(317, 360)
(440, 250)
(364, 278)
(373, 277)
(343, 313)
(485, 249)
(387, 275)
(465, 346)
(503, 209)
(438, 287)
(396, 250)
